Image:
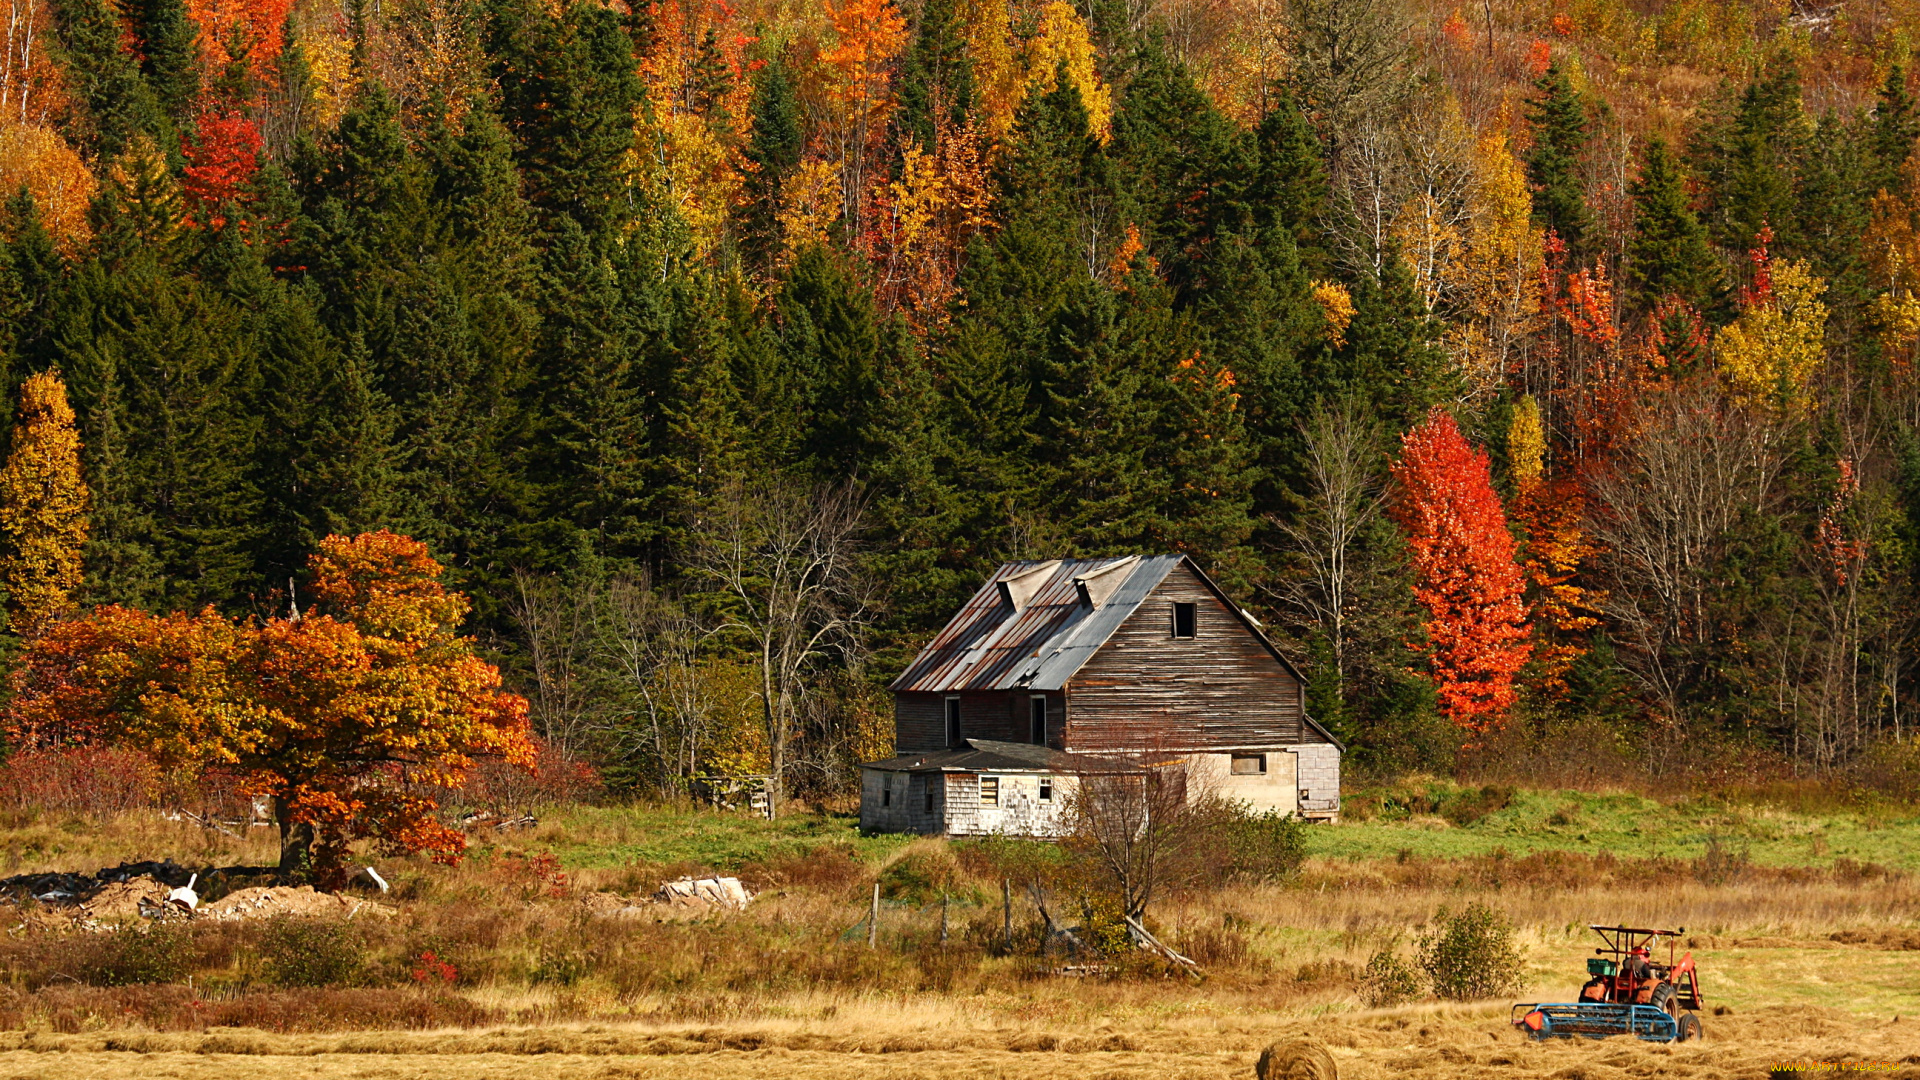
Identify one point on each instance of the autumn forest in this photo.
(1540, 372)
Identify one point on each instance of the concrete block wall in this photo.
(1319, 777)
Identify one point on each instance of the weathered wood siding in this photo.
(1019, 811)
(920, 719)
(1219, 690)
(907, 808)
(919, 723)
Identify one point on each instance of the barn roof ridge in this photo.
(1035, 636)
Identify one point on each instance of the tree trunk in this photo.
(296, 842)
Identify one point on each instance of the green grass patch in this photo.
(1438, 820)
(601, 837)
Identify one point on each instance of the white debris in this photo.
(711, 892)
(184, 896)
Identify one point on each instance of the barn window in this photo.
(886, 789)
(1046, 789)
(929, 794)
(989, 791)
(1183, 620)
(953, 721)
(1249, 765)
(1037, 719)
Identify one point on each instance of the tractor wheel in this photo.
(1662, 999)
(1690, 1028)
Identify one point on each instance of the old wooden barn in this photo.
(1066, 667)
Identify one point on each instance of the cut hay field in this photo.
(1805, 922)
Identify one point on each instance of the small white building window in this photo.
(989, 791)
(1046, 789)
(1249, 765)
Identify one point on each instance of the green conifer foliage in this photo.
(105, 79)
(832, 344)
(167, 374)
(1669, 254)
(568, 89)
(773, 150)
(936, 76)
(593, 458)
(1751, 154)
(1288, 185)
(169, 54)
(1558, 120)
(1896, 124)
(1176, 159)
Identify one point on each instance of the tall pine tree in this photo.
(1669, 254)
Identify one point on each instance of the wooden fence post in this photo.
(1006, 911)
(873, 918)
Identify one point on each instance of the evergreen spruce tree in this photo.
(1177, 159)
(170, 54)
(568, 88)
(593, 445)
(1837, 175)
(29, 286)
(773, 150)
(1896, 124)
(167, 373)
(936, 77)
(1558, 121)
(106, 80)
(1669, 254)
(1750, 151)
(1288, 185)
(832, 343)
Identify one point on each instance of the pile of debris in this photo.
(725, 892)
(686, 894)
(163, 890)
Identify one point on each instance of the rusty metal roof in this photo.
(1033, 624)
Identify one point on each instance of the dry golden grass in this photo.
(1443, 1043)
(1813, 963)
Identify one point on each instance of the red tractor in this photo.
(1628, 992)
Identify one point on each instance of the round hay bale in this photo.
(1296, 1059)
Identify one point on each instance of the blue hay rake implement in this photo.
(1628, 992)
(1596, 1021)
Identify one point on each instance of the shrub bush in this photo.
(1471, 955)
(1246, 847)
(85, 780)
(1388, 980)
(924, 874)
(312, 953)
(160, 952)
(1470, 806)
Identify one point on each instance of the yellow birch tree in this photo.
(43, 507)
(1063, 39)
(1770, 353)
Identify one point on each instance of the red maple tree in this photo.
(222, 157)
(1465, 574)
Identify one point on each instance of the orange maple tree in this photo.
(349, 716)
(1465, 575)
(222, 157)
